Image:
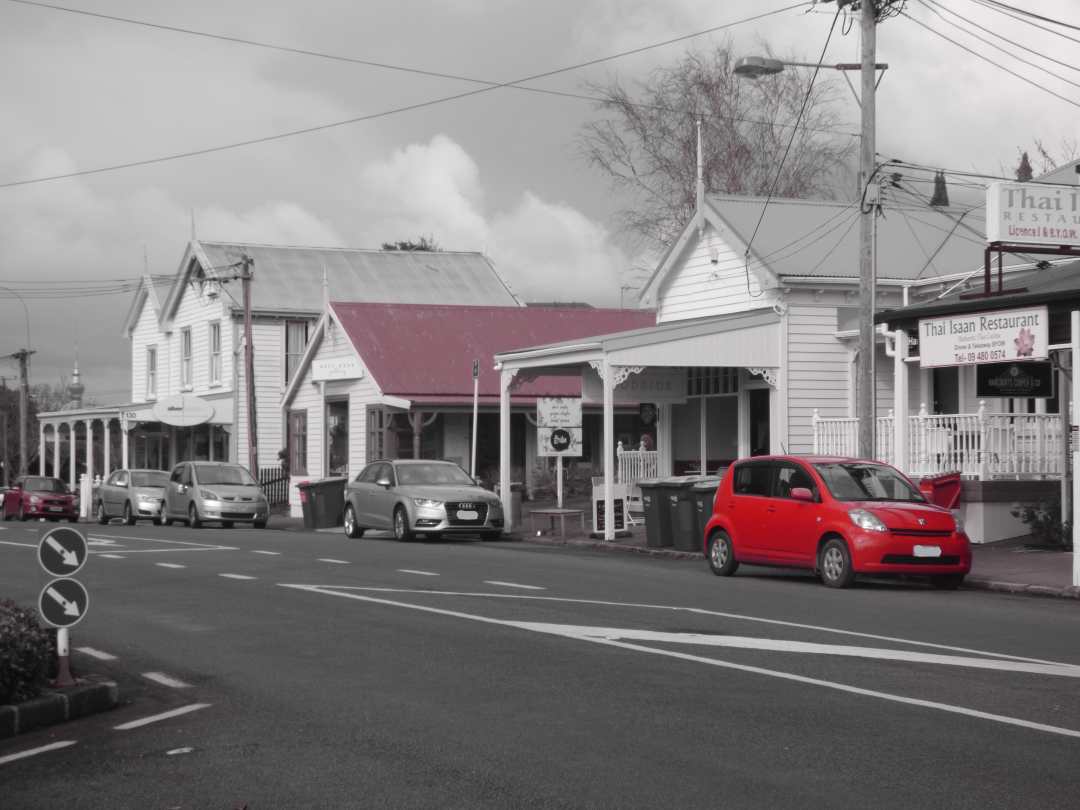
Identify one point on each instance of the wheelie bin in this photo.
(703, 494)
(657, 520)
(307, 503)
(327, 498)
(682, 506)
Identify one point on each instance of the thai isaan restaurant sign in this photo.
(1033, 214)
(984, 337)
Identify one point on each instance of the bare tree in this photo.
(646, 141)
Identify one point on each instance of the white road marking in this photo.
(110, 540)
(337, 562)
(271, 553)
(235, 576)
(170, 565)
(187, 749)
(34, 751)
(98, 654)
(112, 556)
(23, 545)
(418, 573)
(771, 673)
(145, 721)
(166, 680)
(514, 585)
(704, 612)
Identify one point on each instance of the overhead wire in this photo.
(1022, 18)
(486, 88)
(1026, 13)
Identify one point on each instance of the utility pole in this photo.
(4, 443)
(23, 356)
(249, 368)
(865, 388)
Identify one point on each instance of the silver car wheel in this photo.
(400, 528)
(832, 563)
(719, 551)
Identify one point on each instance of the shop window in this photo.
(151, 372)
(185, 357)
(296, 338)
(711, 381)
(297, 443)
(214, 339)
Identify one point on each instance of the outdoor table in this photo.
(562, 514)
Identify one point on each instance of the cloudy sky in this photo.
(497, 171)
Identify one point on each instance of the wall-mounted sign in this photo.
(1034, 379)
(654, 384)
(984, 337)
(558, 426)
(183, 410)
(1033, 213)
(336, 368)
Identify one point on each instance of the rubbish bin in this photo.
(306, 503)
(327, 502)
(657, 520)
(942, 490)
(682, 508)
(703, 494)
(517, 491)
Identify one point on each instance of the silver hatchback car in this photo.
(132, 494)
(420, 497)
(214, 490)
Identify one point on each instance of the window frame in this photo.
(214, 371)
(287, 370)
(297, 450)
(186, 348)
(151, 371)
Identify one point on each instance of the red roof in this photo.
(425, 352)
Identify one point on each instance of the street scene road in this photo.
(302, 669)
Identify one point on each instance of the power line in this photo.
(1027, 13)
(1021, 18)
(991, 61)
(487, 87)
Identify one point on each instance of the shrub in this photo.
(24, 653)
(1045, 523)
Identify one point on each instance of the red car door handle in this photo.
(772, 509)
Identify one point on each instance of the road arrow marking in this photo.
(69, 557)
(70, 608)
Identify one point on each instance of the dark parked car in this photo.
(131, 494)
(420, 497)
(35, 496)
(839, 517)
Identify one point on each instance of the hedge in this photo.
(25, 653)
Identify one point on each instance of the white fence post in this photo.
(984, 443)
(815, 420)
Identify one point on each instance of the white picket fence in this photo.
(635, 466)
(979, 445)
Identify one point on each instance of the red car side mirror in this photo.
(802, 494)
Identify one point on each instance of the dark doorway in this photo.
(759, 421)
(946, 390)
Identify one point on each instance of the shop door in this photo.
(337, 437)
(760, 444)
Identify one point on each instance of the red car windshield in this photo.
(860, 481)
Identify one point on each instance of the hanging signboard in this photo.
(984, 337)
(1033, 214)
(183, 410)
(653, 384)
(1034, 379)
(558, 426)
(336, 368)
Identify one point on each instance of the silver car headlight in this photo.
(208, 495)
(427, 503)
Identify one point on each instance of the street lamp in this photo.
(754, 67)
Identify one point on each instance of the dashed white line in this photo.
(336, 562)
(235, 576)
(112, 556)
(418, 573)
(166, 680)
(271, 553)
(98, 654)
(145, 721)
(170, 565)
(514, 585)
(33, 751)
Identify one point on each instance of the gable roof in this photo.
(288, 280)
(425, 353)
(152, 289)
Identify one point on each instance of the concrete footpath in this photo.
(1011, 566)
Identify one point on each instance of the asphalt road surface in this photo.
(298, 669)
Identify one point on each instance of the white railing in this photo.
(634, 467)
(978, 445)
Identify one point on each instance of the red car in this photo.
(837, 516)
(35, 496)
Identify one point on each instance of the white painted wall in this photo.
(818, 372)
(144, 335)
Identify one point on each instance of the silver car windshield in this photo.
(854, 481)
(443, 474)
(213, 474)
(150, 478)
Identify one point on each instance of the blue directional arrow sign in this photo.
(63, 602)
(62, 552)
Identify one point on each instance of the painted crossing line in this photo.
(34, 751)
(336, 562)
(235, 576)
(166, 680)
(418, 573)
(514, 585)
(98, 654)
(170, 565)
(154, 718)
(112, 556)
(270, 553)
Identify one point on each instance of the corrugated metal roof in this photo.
(813, 238)
(420, 352)
(289, 279)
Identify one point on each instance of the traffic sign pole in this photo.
(63, 602)
(558, 478)
(63, 659)
(475, 410)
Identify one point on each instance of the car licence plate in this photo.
(927, 551)
(467, 514)
(56, 509)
